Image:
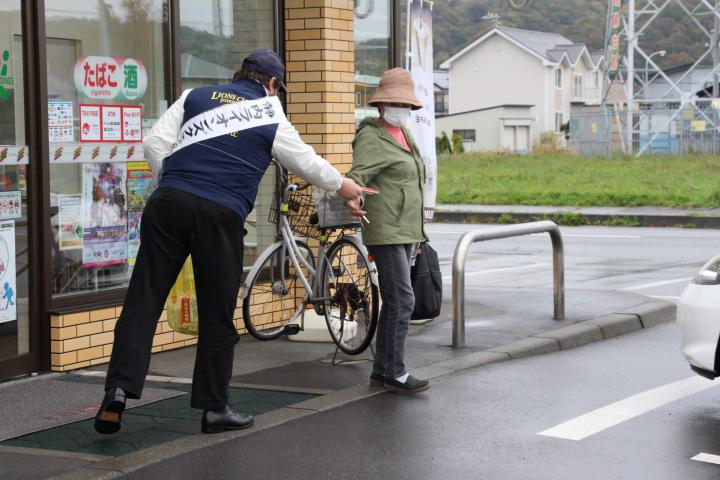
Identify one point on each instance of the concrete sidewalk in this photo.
(502, 324)
(642, 216)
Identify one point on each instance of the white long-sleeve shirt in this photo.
(288, 148)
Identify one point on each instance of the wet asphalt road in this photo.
(484, 423)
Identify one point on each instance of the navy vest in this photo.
(208, 169)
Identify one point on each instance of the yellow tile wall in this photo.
(320, 60)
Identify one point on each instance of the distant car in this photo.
(698, 314)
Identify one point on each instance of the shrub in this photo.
(457, 144)
(442, 144)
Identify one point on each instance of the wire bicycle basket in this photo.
(310, 209)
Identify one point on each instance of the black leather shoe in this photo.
(410, 386)
(377, 380)
(216, 421)
(108, 417)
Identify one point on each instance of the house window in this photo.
(578, 86)
(558, 78)
(466, 135)
(596, 79)
(558, 121)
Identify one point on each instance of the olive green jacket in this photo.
(380, 162)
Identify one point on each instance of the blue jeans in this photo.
(398, 302)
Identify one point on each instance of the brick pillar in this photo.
(320, 60)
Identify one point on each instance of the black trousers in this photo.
(176, 224)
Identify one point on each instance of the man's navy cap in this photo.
(267, 62)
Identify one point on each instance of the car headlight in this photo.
(709, 274)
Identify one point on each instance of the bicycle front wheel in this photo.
(276, 293)
(351, 298)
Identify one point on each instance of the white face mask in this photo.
(396, 116)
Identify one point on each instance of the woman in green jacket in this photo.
(386, 158)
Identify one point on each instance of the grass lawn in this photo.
(565, 180)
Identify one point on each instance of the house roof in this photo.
(552, 48)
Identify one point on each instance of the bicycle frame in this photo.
(312, 286)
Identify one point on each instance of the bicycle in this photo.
(339, 280)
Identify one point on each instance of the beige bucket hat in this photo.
(396, 86)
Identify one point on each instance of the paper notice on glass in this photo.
(132, 124)
(70, 222)
(112, 124)
(90, 123)
(60, 122)
(8, 285)
(10, 205)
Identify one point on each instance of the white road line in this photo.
(707, 458)
(643, 286)
(627, 409)
(577, 235)
(495, 270)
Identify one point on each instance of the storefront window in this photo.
(107, 86)
(214, 38)
(14, 161)
(373, 34)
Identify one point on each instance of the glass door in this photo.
(15, 332)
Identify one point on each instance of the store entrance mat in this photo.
(151, 424)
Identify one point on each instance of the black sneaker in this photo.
(410, 386)
(109, 415)
(377, 380)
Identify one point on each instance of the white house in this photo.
(540, 75)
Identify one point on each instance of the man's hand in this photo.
(354, 207)
(349, 190)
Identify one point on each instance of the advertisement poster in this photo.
(422, 122)
(10, 205)
(110, 78)
(104, 205)
(8, 285)
(140, 185)
(613, 47)
(90, 123)
(70, 222)
(111, 118)
(60, 122)
(132, 124)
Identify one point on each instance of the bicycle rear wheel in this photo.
(276, 293)
(352, 301)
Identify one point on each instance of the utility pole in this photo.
(630, 78)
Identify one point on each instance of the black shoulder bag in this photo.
(427, 283)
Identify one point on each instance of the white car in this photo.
(698, 314)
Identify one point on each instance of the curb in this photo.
(643, 220)
(639, 317)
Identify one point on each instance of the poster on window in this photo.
(90, 123)
(422, 122)
(60, 122)
(104, 205)
(132, 124)
(70, 222)
(10, 205)
(140, 185)
(8, 285)
(111, 118)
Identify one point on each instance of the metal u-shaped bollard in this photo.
(458, 269)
